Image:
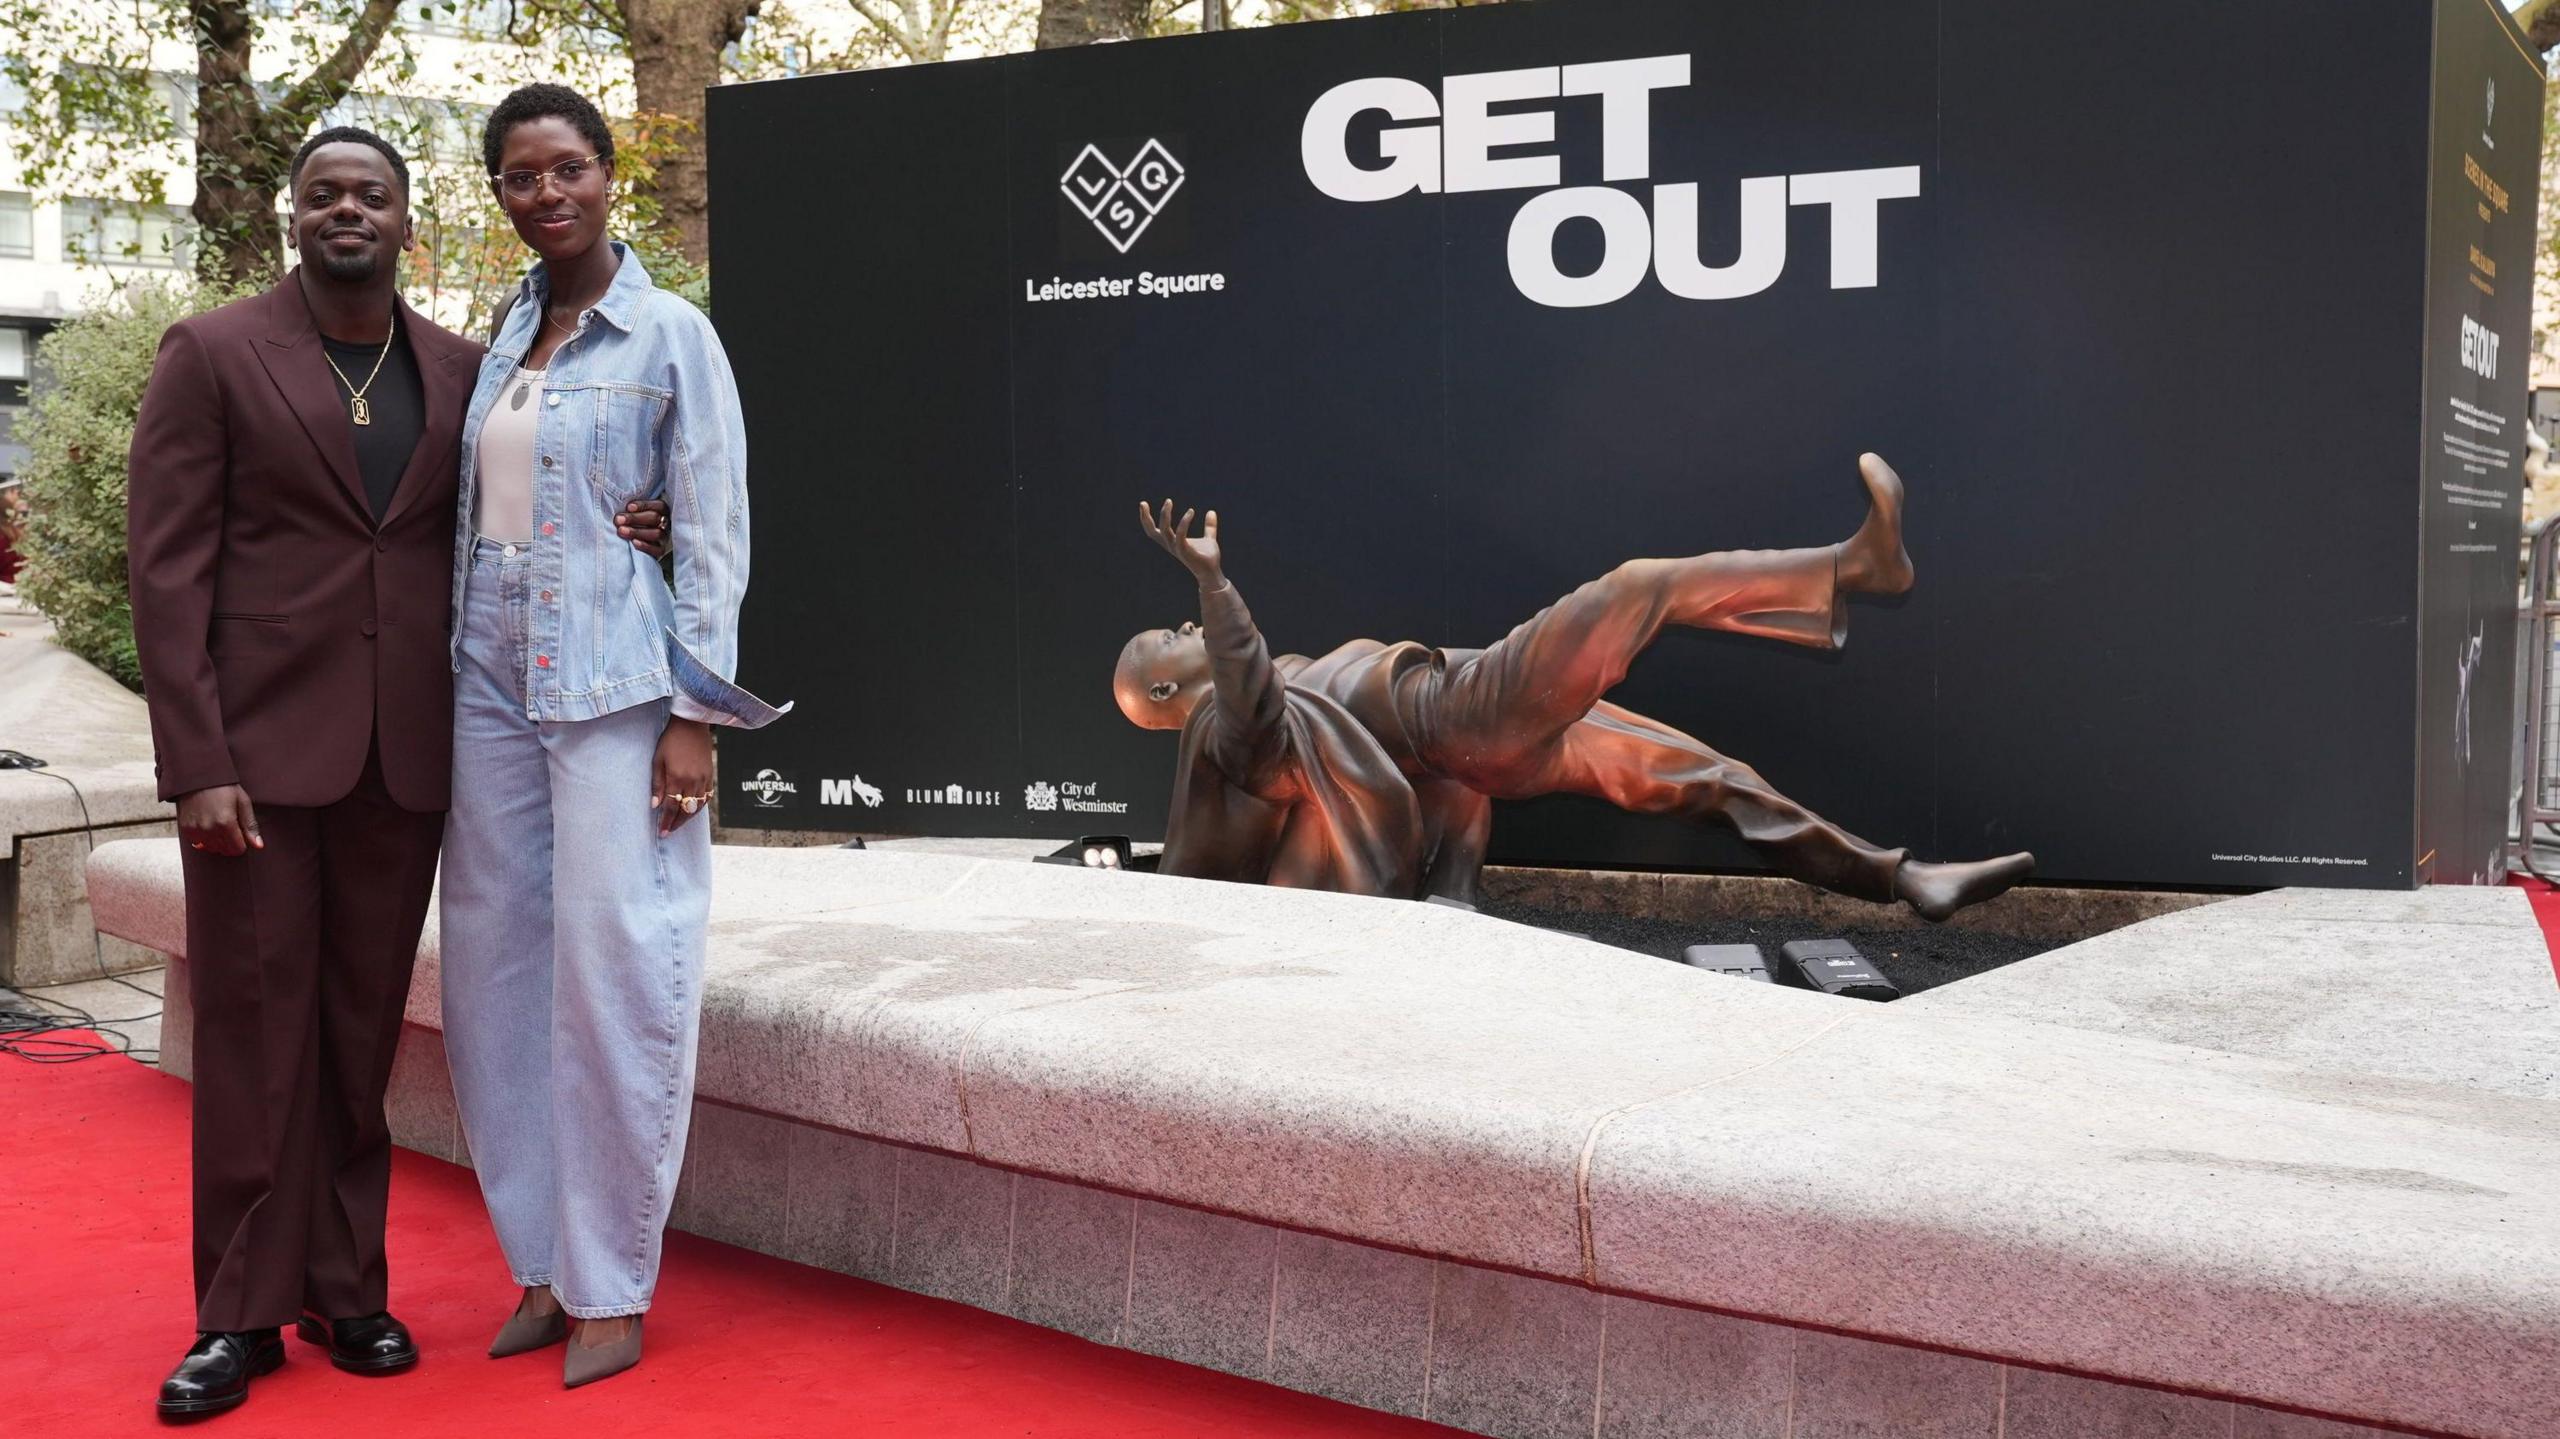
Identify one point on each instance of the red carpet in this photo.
(93, 1206)
(2546, 911)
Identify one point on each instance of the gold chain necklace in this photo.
(357, 409)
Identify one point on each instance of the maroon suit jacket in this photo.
(282, 632)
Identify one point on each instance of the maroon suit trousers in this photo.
(299, 957)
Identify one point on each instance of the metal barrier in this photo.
(2538, 701)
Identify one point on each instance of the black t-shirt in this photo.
(396, 405)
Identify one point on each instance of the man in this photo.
(290, 543)
(1523, 718)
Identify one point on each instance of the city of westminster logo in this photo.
(1122, 200)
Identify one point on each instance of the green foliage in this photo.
(77, 430)
(639, 145)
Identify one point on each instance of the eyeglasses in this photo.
(522, 184)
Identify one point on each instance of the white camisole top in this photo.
(506, 460)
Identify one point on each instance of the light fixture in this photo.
(1093, 851)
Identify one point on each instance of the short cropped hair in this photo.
(348, 135)
(543, 102)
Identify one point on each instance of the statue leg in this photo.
(1457, 824)
(1648, 767)
(1511, 699)
(1644, 765)
(1792, 595)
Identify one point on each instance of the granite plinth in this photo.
(98, 783)
(1548, 1122)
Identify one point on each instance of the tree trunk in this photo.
(244, 149)
(238, 176)
(675, 56)
(1081, 22)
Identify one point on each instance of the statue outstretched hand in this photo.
(1199, 556)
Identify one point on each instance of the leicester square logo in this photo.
(1122, 200)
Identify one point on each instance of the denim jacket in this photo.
(638, 403)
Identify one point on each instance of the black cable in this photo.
(39, 1036)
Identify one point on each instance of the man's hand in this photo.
(219, 820)
(644, 524)
(1199, 556)
(680, 783)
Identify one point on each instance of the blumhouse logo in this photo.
(1122, 200)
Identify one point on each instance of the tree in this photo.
(2541, 22)
(76, 433)
(675, 56)
(85, 71)
(1081, 22)
(920, 31)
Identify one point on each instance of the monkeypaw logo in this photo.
(1122, 200)
(769, 788)
(1041, 797)
(847, 791)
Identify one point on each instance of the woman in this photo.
(577, 869)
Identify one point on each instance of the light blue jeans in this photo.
(572, 939)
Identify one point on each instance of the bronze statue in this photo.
(1372, 769)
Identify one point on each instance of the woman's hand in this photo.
(682, 771)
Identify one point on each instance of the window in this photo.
(109, 232)
(13, 354)
(177, 94)
(174, 93)
(458, 131)
(17, 226)
(455, 17)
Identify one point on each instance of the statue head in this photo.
(1162, 676)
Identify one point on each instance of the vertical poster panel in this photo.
(859, 225)
(1180, 331)
(2485, 172)
(1693, 360)
(2178, 372)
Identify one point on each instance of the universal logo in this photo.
(769, 788)
(1046, 798)
(956, 795)
(1122, 200)
(848, 791)
(1446, 142)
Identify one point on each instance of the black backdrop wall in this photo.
(2165, 343)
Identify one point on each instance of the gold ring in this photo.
(691, 802)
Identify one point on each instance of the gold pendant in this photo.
(359, 411)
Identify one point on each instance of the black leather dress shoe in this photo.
(368, 1344)
(215, 1374)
